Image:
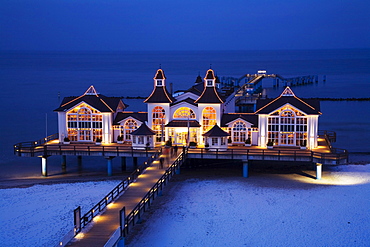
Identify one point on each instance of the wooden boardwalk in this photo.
(103, 226)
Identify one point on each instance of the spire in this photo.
(159, 78)
(209, 94)
(210, 79)
(160, 93)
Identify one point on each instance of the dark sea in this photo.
(34, 83)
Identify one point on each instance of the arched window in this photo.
(287, 120)
(159, 118)
(184, 113)
(130, 126)
(209, 118)
(287, 126)
(84, 124)
(239, 132)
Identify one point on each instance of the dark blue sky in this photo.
(183, 25)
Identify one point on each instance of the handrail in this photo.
(136, 213)
(90, 150)
(59, 149)
(34, 144)
(114, 194)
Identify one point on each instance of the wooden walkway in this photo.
(103, 226)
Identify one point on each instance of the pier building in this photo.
(202, 117)
(187, 118)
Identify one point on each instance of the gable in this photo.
(121, 117)
(248, 124)
(309, 107)
(187, 95)
(80, 105)
(230, 118)
(288, 106)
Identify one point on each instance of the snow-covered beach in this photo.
(266, 209)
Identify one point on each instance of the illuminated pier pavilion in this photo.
(203, 117)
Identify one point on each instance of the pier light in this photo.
(345, 179)
(80, 235)
(97, 218)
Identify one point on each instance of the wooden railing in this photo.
(331, 136)
(112, 195)
(336, 154)
(30, 146)
(75, 149)
(135, 215)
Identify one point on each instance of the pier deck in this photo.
(323, 154)
(105, 225)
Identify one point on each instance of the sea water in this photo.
(34, 83)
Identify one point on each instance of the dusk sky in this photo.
(135, 25)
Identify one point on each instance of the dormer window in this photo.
(159, 82)
(209, 82)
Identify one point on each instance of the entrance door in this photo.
(84, 135)
(287, 139)
(181, 138)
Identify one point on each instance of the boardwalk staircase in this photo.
(133, 196)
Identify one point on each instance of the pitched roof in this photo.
(160, 95)
(141, 116)
(209, 95)
(216, 132)
(91, 97)
(143, 130)
(229, 117)
(308, 106)
(187, 100)
(183, 123)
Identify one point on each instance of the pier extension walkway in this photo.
(105, 225)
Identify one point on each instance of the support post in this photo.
(79, 163)
(318, 171)
(245, 169)
(177, 172)
(109, 166)
(44, 167)
(134, 160)
(64, 163)
(123, 164)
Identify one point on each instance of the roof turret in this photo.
(209, 94)
(160, 93)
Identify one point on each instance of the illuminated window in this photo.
(130, 126)
(209, 83)
(209, 118)
(239, 131)
(84, 123)
(159, 118)
(287, 126)
(184, 113)
(159, 82)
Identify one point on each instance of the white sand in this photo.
(263, 210)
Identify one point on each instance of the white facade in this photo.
(284, 121)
